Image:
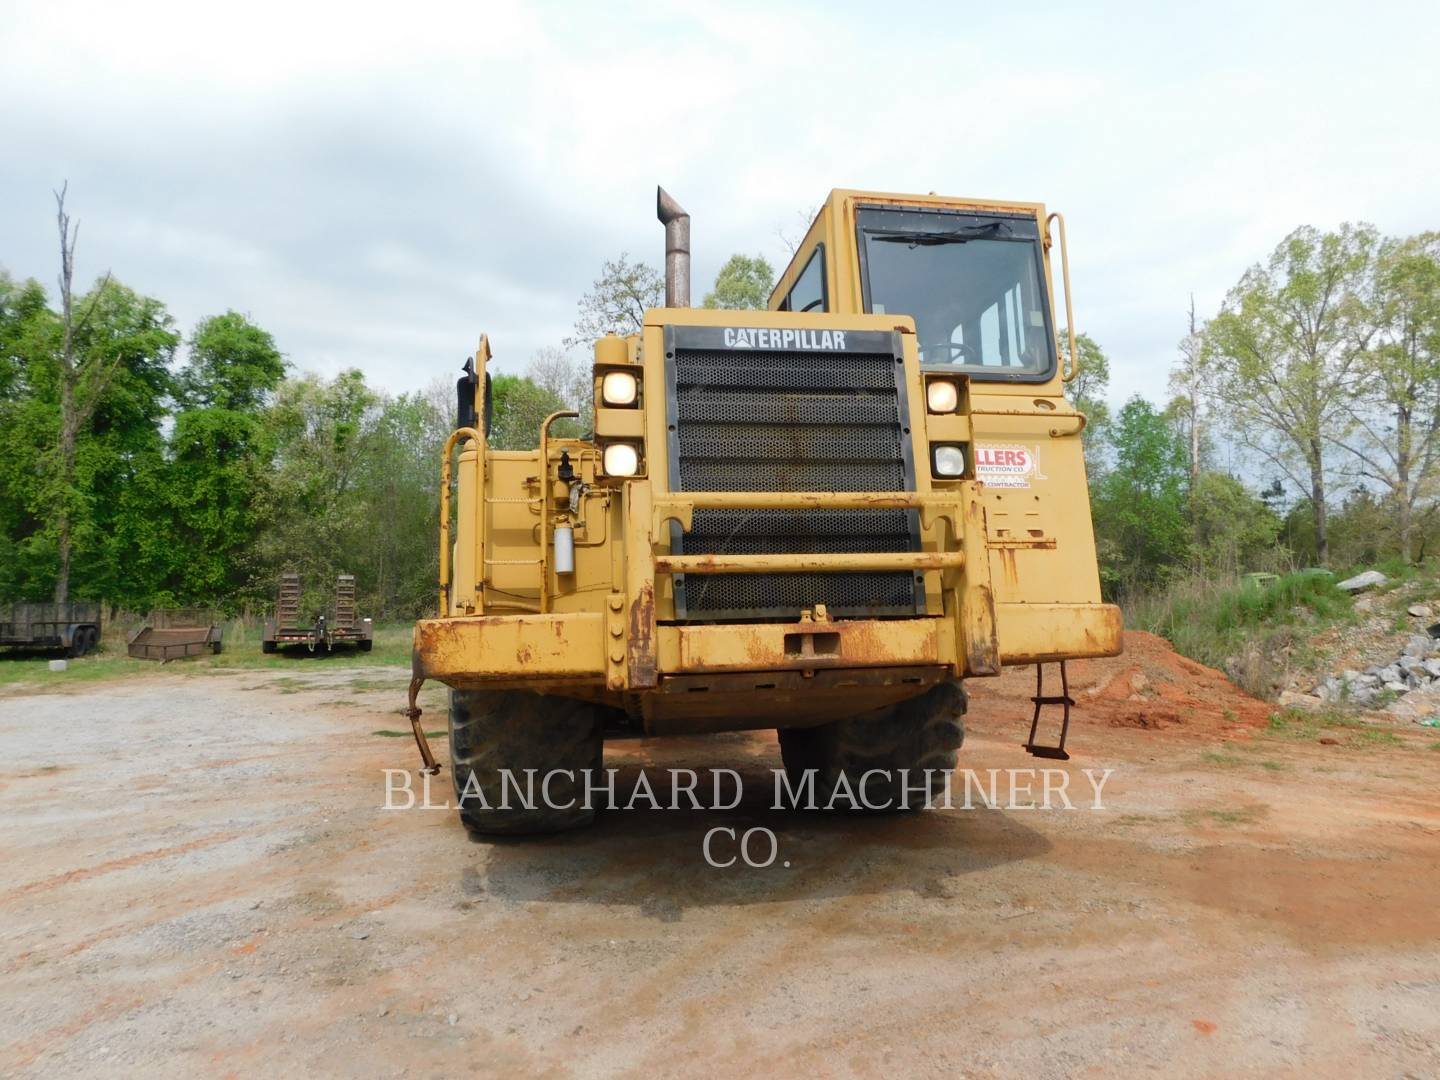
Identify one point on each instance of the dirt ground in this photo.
(200, 878)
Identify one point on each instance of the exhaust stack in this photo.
(677, 249)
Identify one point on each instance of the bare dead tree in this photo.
(82, 385)
(792, 233)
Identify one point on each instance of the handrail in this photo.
(802, 562)
(1069, 310)
(445, 470)
(1055, 433)
(545, 503)
(679, 506)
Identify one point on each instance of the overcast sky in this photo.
(376, 185)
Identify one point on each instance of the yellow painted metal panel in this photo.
(499, 647)
(852, 643)
(1031, 633)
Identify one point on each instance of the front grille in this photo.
(772, 420)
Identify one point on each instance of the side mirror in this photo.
(465, 399)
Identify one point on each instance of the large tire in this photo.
(919, 734)
(366, 644)
(267, 647)
(492, 731)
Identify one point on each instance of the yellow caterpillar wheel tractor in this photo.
(818, 518)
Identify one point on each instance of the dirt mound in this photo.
(1150, 686)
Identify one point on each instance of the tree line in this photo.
(1320, 375)
(147, 467)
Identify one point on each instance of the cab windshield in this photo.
(972, 283)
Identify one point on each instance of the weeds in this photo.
(1238, 815)
(1241, 629)
(1217, 757)
(1309, 726)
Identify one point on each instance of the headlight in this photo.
(621, 459)
(949, 460)
(619, 388)
(942, 395)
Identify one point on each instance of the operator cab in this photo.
(973, 277)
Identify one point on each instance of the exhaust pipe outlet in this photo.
(677, 249)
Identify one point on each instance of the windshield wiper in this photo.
(930, 239)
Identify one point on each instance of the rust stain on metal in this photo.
(1007, 565)
(641, 645)
(982, 650)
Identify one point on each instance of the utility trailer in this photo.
(344, 628)
(175, 633)
(73, 626)
(339, 627)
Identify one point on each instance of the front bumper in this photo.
(558, 650)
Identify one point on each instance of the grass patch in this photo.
(376, 684)
(1274, 766)
(1308, 726)
(1375, 737)
(1231, 815)
(1435, 745)
(1137, 819)
(1219, 757)
(242, 653)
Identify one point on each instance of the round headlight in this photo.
(942, 395)
(618, 388)
(949, 461)
(621, 459)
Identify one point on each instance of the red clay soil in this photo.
(1149, 686)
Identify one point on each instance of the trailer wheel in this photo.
(495, 734)
(267, 646)
(366, 644)
(921, 735)
(82, 641)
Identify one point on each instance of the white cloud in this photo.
(376, 184)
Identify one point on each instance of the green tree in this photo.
(1395, 404)
(1233, 531)
(220, 457)
(743, 283)
(28, 331)
(397, 566)
(617, 302)
(233, 365)
(78, 460)
(1139, 505)
(1086, 392)
(520, 407)
(321, 433)
(1283, 351)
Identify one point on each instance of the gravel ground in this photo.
(200, 878)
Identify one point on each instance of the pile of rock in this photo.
(1417, 667)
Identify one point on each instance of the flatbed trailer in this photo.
(73, 626)
(338, 628)
(175, 633)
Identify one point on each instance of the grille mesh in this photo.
(756, 420)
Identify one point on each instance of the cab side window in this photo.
(808, 293)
